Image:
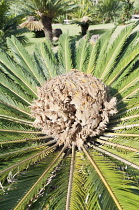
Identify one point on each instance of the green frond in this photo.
(9, 102)
(78, 190)
(123, 134)
(133, 92)
(23, 182)
(112, 128)
(130, 105)
(4, 141)
(93, 53)
(82, 54)
(9, 155)
(5, 117)
(21, 131)
(114, 155)
(123, 179)
(127, 82)
(45, 60)
(114, 51)
(5, 136)
(132, 120)
(70, 177)
(102, 42)
(14, 89)
(24, 60)
(116, 145)
(126, 115)
(23, 164)
(111, 200)
(131, 142)
(64, 53)
(124, 65)
(55, 193)
(11, 125)
(129, 120)
(9, 111)
(16, 73)
(34, 190)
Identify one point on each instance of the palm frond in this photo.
(55, 192)
(24, 181)
(130, 81)
(40, 182)
(45, 60)
(21, 165)
(133, 92)
(64, 53)
(117, 145)
(16, 73)
(23, 59)
(82, 55)
(78, 189)
(103, 45)
(116, 48)
(122, 134)
(9, 102)
(117, 157)
(16, 120)
(102, 178)
(70, 177)
(5, 139)
(20, 152)
(123, 179)
(15, 89)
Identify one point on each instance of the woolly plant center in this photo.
(73, 107)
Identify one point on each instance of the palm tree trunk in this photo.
(47, 24)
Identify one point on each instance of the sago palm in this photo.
(65, 141)
(47, 10)
(109, 10)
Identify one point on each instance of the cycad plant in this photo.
(108, 10)
(47, 11)
(65, 141)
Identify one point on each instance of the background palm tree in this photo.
(48, 10)
(37, 172)
(85, 8)
(109, 10)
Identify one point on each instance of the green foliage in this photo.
(122, 179)
(64, 53)
(85, 8)
(46, 174)
(127, 10)
(9, 25)
(47, 11)
(108, 10)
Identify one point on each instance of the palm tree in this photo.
(85, 8)
(108, 10)
(61, 145)
(48, 10)
(127, 10)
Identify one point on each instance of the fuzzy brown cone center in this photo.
(73, 107)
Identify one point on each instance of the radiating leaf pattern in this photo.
(37, 173)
